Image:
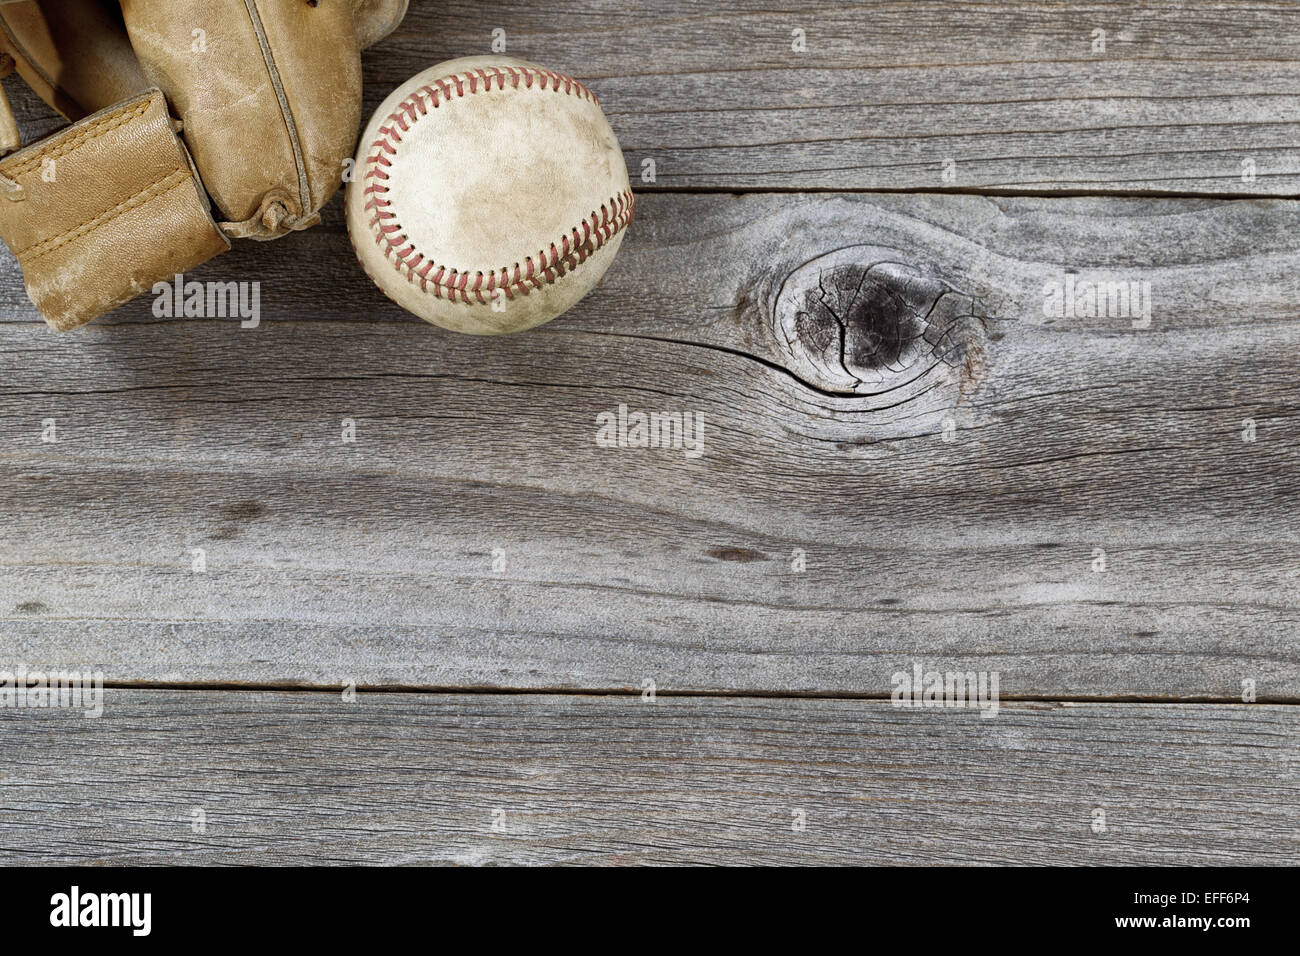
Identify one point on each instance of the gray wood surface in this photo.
(887, 93)
(373, 561)
(409, 779)
(905, 460)
(1188, 97)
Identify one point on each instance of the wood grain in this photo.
(888, 94)
(905, 459)
(1193, 98)
(412, 779)
(946, 513)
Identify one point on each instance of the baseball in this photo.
(489, 195)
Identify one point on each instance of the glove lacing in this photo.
(271, 221)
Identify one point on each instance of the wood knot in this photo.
(861, 321)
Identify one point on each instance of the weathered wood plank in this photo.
(405, 779)
(1004, 96)
(948, 511)
(1197, 97)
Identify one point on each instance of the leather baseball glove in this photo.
(194, 122)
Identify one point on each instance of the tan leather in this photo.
(375, 19)
(103, 210)
(268, 98)
(10, 138)
(77, 57)
(74, 53)
(270, 93)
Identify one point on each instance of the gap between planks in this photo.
(485, 690)
(993, 192)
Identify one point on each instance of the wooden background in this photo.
(501, 591)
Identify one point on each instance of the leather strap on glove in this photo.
(268, 96)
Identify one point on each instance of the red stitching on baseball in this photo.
(575, 248)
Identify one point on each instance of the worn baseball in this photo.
(489, 195)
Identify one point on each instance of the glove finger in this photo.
(269, 94)
(74, 53)
(375, 19)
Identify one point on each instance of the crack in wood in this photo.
(862, 321)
